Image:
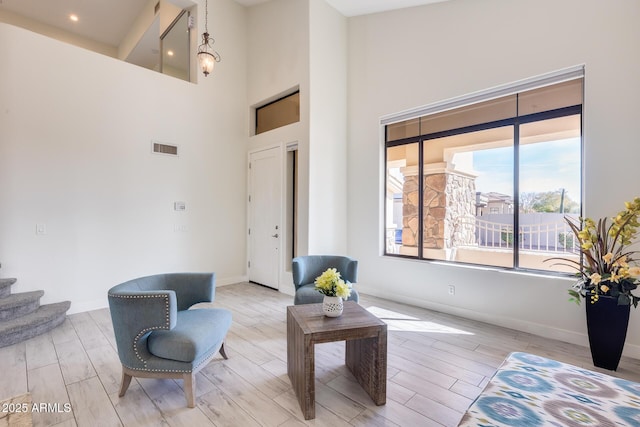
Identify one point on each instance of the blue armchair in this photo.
(156, 333)
(307, 268)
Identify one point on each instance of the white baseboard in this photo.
(231, 280)
(630, 350)
(82, 306)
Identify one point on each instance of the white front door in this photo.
(265, 231)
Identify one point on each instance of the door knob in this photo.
(275, 235)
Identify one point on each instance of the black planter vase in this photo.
(607, 327)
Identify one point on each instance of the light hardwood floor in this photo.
(437, 364)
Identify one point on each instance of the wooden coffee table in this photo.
(365, 354)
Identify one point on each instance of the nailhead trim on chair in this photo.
(144, 331)
(175, 370)
(209, 355)
(156, 370)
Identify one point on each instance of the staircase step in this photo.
(5, 287)
(45, 318)
(16, 305)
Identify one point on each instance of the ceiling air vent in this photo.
(160, 148)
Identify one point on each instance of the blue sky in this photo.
(545, 166)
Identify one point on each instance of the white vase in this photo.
(332, 306)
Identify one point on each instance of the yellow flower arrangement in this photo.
(330, 284)
(604, 266)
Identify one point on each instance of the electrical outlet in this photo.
(452, 290)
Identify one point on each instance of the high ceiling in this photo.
(108, 22)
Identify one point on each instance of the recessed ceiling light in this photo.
(170, 52)
(73, 17)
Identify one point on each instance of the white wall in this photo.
(278, 48)
(327, 130)
(417, 56)
(75, 135)
(278, 52)
(303, 44)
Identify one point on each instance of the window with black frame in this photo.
(281, 112)
(490, 182)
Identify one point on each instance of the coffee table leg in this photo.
(367, 360)
(301, 367)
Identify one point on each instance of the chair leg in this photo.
(189, 384)
(222, 352)
(124, 385)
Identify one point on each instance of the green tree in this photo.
(548, 201)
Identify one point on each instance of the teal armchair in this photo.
(156, 333)
(306, 268)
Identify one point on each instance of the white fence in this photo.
(546, 232)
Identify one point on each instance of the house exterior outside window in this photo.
(460, 181)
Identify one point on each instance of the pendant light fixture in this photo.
(207, 56)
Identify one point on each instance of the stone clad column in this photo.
(410, 211)
(434, 210)
(448, 209)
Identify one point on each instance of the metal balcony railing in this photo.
(543, 237)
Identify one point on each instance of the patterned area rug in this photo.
(16, 411)
(533, 391)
